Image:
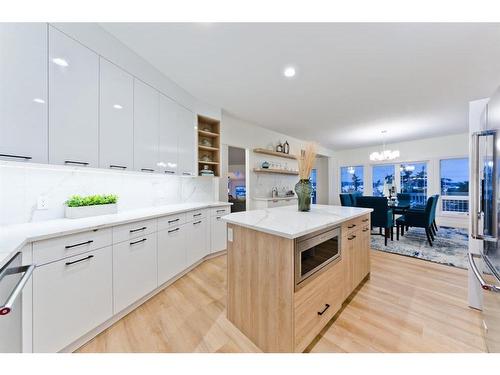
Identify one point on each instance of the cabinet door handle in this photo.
(366, 229)
(16, 156)
(147, 170)
(137, 230)
(221, 210)
(186, 173)
(173, 221)
(79, 244)
(351, 238)
(170, 172)
(84, 163)
(173, 230)
(197, 222)
(218, 217)
(117, 166)
(136, 242)
(365, 220)
(351, 226)
(79, 260)
(196, 215)
(323, 311)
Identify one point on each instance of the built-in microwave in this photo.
(315, 251)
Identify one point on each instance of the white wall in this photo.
(322, 182)
(239, 133)
(431, 150)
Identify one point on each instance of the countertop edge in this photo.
(22, 241)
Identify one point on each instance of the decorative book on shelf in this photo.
(208, 145)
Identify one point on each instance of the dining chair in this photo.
(381, 215)
(419, 219)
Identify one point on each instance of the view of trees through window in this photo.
(382, 174)
(414, 181)
(351, 179)
(455, 184)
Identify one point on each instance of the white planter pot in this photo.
(87, 211)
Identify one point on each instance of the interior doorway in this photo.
(236, 179)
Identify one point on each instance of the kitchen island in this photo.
(289, 272)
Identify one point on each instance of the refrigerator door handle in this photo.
(484, 284)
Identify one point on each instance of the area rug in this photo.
(450, 245)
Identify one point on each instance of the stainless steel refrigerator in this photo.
(485, 217)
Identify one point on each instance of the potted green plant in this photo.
(77, 206)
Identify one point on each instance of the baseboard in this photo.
(115, 318)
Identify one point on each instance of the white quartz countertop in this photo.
(14, 237)
(275, 199)
(288, 222)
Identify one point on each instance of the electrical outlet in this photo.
(230, 234)
(43, 203)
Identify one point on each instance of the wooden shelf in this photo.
(208, 148)
(273, 153)
(275, 171)
(208, 162)
(208, 134)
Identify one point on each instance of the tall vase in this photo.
(303, 189)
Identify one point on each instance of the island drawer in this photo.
(316, 303)
(53, 249)
(171, 221)
(355, 224)
(134, 230)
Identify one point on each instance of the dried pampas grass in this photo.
(306, 160)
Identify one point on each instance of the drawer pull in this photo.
(197, 222)
(218, 217)
(16, 156)
(173, 221)
(365, 230)
(196, 215)
(147, 170)
(221, 210)
(351, 226)
(323, 311)
(79, 260)
(76, 162)
(173, 230)
(186, 173)
(170, 172)
(136, 242)
(79, 244)
(365, 220)
(117, 166)
(351, 238)
(137, 230)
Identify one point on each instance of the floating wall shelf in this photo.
(273, 153)
(275, 171)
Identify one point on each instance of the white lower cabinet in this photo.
(218, 235)
(70, 298)
(134, 270)
(196, 240)
(172, 257)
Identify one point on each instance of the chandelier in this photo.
(384, 154)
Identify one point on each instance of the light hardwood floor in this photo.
(408, 305)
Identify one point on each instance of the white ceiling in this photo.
(353, 79)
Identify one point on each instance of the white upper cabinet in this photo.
(23, 92)
(146, 127)
(116, 117)
(73, 102)
(169, 135)
(186, 121)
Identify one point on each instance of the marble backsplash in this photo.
(21, 185)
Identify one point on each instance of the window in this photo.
(313, 183)
(382, 175)
(240, 191)
(454, 185)
(414, 182)
(351, 179)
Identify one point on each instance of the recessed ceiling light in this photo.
(117, 106)
(39, 101)
(289, 72)
(60, 62)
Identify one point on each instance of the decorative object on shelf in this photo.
(286, 148)
(206, 171)
(206, 157)
(207, 129)
(384, 154)
(77, 207)
(303, 188)
(265, 165)
(206, 142)
(279, 147)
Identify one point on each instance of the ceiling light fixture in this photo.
(384, 154)
(289, 72)
(60, 62)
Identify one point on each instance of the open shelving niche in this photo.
(209, 129)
